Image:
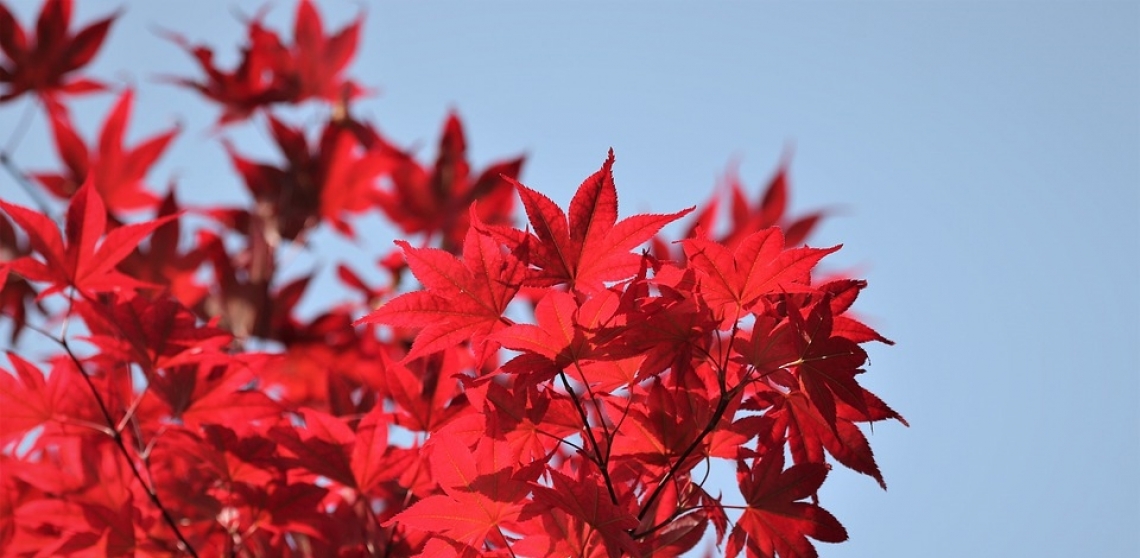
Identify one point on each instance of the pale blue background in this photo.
(983, 158)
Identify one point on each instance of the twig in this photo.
(597, 459)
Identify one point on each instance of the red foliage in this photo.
(188, 410)
(41, 62)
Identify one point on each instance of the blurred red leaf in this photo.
(43, 62)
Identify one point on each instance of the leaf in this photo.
(28, 399)
(117, 172)
(775, 522)
(827, 364)
(17, 297)
(324, 181)
(533, 423)
(585, 498)
(556, 336)
(316, 61)
(424, 391)
(213, 394)
(760, 265)
(463, 299)
(271, 72)
(438, 199)
(84, 262)
(251, 85)
(588, 248)
(795, 420)
(152, 333)
(809, 434)
(368, 460)
(482, 493)
(44, 62)
(322, 447)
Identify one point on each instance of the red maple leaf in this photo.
(320, 182)
(162, 262)
(792, 418)
(584, 498)
(271, 72)
(733, 281)
(775, 522)
(153, 333)
(424, 391)
(436, 199)
(556, 336)
(200, 393)
(250, 86)
(827, 364)
(667, 422)
(590, 247)
(533, 422)
(315, 62)
(482, 493)
(463, 299)
(44, 61)
(28, 398)
(116, 171)
(84, 262)
(769, 211)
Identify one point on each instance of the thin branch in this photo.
(721, 406)
(121, 444)
(597, 459)
(115, 435)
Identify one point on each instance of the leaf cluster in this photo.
(559, 387)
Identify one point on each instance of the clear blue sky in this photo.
(985, 158)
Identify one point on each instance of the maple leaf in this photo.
(584, 498)
(768, 347)
(827, 364)
(43, 62)
(424, 390)
(666, 330)
(153, 333)
(199, 393)
(324, 181)
(323, 447)
(28, 399)
(533, 422)
(368, 460)
(163, 263)
(792, 418)
(84, 262)
(463, 299)
(316, 62)
(270, 72)
(556, 337)
(250, 86)
(436, 200)
(769, 211)
(286, 506)
(842, 295)
(117, 172)
(482, 492)
(775, 522)
(732, 282)
(588, 248)
(667, 423)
